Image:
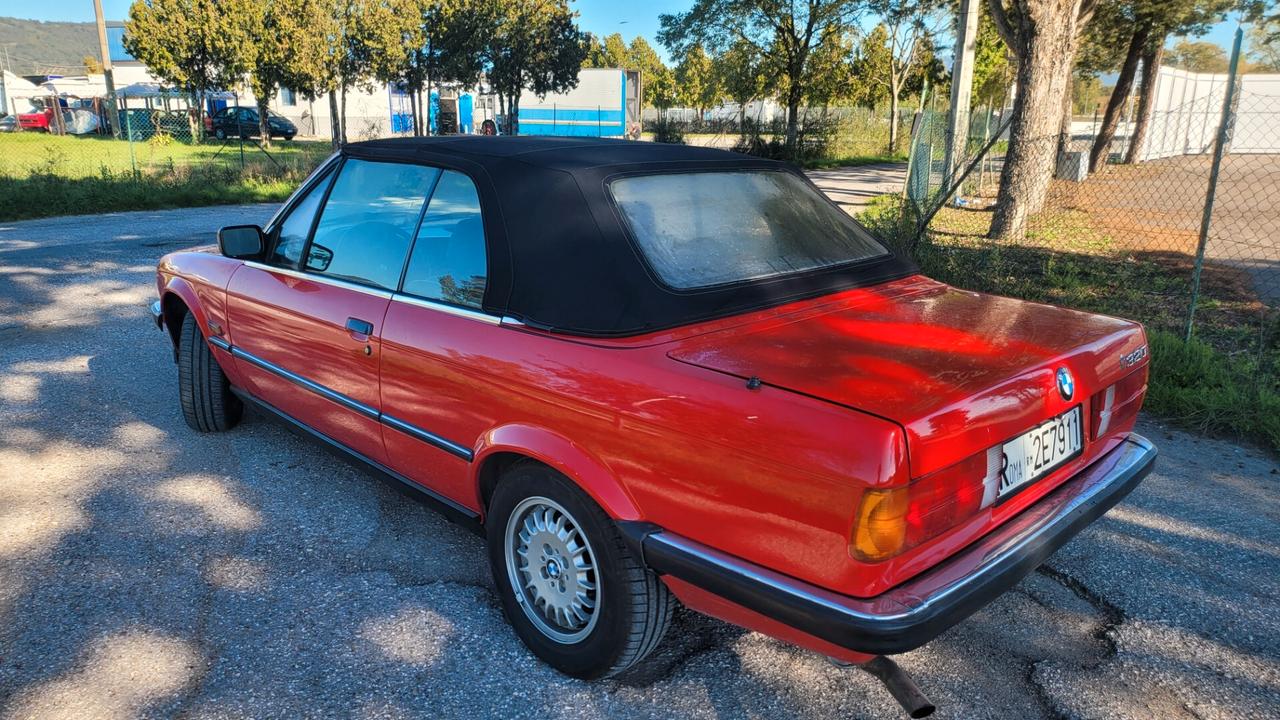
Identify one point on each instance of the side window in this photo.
(448, 261)
(292, 236)
(367, 223)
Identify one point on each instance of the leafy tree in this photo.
(871, 66)
(353, 46)
(992, 62)
(1044, 36)
(697, 85)
(91, 65)
(657, 82)
(1198, 56)
(1264, 44)
(785, 33)
(197, 45)
(534, 44)
(415, 43)
(612, 53)
(742, 75)
(829, 75)
(288, 51)
(1127, 33)
(907, 26)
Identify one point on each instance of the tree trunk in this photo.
(1119, 96)
(1151, 60)
(894, 91)
(344, 114)
(264, 130)
(1044, 74)
(335, 122)
(415, 103)
(793, 121)
(513, 118)
(1064, 129)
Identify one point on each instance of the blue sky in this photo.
(601, 17)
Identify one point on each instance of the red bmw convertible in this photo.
(652, 374)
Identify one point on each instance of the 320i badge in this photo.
(653, 374)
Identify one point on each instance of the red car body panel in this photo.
(295, 322)
(39, 120)
(959, 370)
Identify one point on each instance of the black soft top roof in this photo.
(559, 253)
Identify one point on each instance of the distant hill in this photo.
(47, 48)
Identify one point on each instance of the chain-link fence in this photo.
(153, 151)
(1177, 227)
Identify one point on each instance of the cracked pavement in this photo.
(148, 571)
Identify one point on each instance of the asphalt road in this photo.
(146, 570)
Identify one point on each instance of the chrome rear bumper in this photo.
(919, 610)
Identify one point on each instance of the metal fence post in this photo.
(1219, 147)
(128, 130)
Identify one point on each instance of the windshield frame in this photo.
(781, 277)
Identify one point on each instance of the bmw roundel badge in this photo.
(1066, 383)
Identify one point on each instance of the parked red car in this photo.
(37, 118)
(654, 373)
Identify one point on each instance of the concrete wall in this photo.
(1188, 110)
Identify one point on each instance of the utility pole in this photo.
(961, 87)
(113, 112)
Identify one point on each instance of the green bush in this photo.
(667, 131)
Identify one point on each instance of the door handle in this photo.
(356, 326)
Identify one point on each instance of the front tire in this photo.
(208, 404)
(220, 134)
(569, 585)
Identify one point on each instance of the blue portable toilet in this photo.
(465, 114)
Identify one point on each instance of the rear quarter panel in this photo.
(764, 474)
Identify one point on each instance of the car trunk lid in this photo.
(960, 371)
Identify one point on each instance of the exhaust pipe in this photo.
(900, 685)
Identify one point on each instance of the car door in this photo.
(247, 122)
(434, 338)
(306, 322)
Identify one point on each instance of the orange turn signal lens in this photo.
(880, 529)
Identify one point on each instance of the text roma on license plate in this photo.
(1040, 450)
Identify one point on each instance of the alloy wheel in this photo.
(552, 570)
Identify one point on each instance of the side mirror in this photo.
(242, 242)
(319, 258)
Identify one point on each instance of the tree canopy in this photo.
(784, 33)
(533, 44)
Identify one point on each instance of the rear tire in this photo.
(626, 608)
(208, 404)
(220, 134)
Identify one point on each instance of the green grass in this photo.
(44, 175)
(1197, 386)
(1226, 381)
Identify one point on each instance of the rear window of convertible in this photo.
(701, 229)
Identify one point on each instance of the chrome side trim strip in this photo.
(427, 437)
(323, 280)
(372, 413)
(446, 308)
(311, 385)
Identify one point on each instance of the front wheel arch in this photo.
(173, 309)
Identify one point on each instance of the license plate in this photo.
(1040, 451)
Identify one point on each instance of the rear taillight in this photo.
(1117, 405)
(892, 521)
